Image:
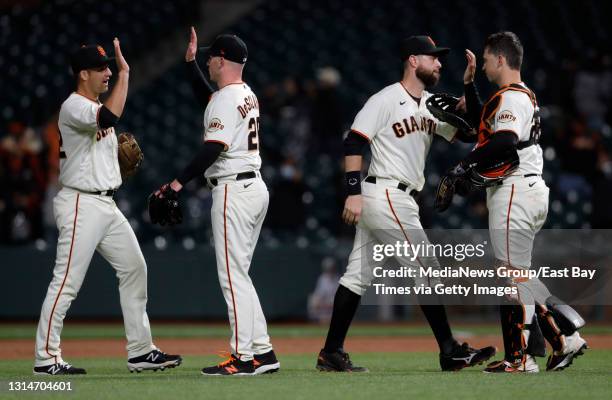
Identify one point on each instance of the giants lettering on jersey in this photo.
(506, 116)
(409, 126)
(215, 125)
(102, 133)
(250, 103)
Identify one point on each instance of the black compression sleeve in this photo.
(354, 144)
(106, 118)
(203, 159)
(500, 143)
(465, 138)
(473, 104)
(200, 85)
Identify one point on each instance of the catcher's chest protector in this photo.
(490, 109)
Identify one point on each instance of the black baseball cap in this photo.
(230, 47)
(89, 56)
(416, 45)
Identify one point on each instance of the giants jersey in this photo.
(514, 109)
(400, 132)
(88, 154)
(232, 119)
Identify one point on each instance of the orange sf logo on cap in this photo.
(101, 51)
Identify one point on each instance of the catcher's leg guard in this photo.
(536, 346)
(557, 321)
(568, 320)
(549, 327)
(515, 331)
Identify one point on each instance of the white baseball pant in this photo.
(238, 212)
(87, 223)
(389, 215)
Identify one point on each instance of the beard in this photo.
(429, 78)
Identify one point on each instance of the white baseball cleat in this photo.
(574, 347)
(504, 366)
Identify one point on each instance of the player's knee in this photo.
(505, 265)
(359, 288)
(135, 269)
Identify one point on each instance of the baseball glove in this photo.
(442, 106)
(444, 193)
(494, 172)
(130, 155)
(164, 207)
(456, 181)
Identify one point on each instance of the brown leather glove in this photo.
(130, 155)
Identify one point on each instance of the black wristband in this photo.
(353, 182)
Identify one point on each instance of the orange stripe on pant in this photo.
(229, 277)
(508, 226)
(400, 225)
(522, 325)
(76, 213)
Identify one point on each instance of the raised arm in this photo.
(472, 99)
(202, 89)
(113, 107)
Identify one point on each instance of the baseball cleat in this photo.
(266, 363)
(574, 347)
(337, 361)
(504, 366)
(153, 361)
(231, 367)
(465, 356)
(59, 369)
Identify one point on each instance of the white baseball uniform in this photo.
(238, 211)
(88, 222)
(518, 208)
(400, 130)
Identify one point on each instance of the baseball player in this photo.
(518, 205)
(399, 129)
(88, 219)
(230, 161)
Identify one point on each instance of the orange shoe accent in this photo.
(224, 354)
(231, 369)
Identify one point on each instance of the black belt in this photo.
(239, 177)
(501, 182)
(110, 192)
(401, 186)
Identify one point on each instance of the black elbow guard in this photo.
(354, 144)
(106, 118)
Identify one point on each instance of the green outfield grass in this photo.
(392, 376)
(167, 330)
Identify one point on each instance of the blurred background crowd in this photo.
(312, 64)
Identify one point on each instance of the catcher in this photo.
(507, 161)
